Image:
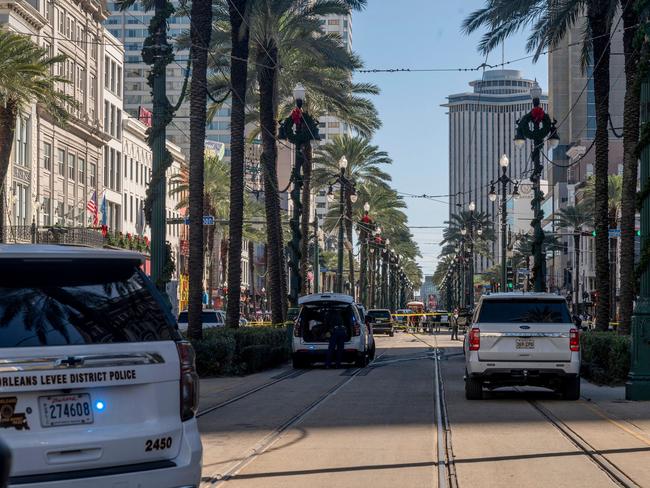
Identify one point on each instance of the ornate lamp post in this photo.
(470, 234)
(299, 129)
(537, 126)
(346, 187)
(504, 180)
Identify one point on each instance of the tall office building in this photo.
(329, 125)
(131, 28)
(481, 129)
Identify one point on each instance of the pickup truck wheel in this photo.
(391, 333)
(571, 389)
(473, 389)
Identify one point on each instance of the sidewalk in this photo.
(610, 404)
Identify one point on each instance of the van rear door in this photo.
(89, 368)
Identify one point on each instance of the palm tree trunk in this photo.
(251, 281)
(349, 228)
(306, 215)
(267, 80)
(238, 79)
(210, 238)
(630, 165)
(600, 27)
(200, 35)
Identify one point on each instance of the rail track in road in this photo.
(615, 473)
(446, 465)
(217, 479)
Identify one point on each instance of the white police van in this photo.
(96, 386)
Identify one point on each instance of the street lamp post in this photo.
(536, 125)
(365, 229)
(346, 186)
(470, 235)
(504, 180)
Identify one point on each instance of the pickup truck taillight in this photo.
(574, 340)
(474, 339)
(189, 384)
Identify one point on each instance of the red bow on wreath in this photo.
(366, 219)
(104, 230)
(296, 116)
(537, 114)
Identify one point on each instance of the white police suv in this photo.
(314, 326)
(522, 339)
(97, 388)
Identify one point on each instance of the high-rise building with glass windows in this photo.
(131, 27)
(481, 129)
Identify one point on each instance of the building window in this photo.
(21, 195)
(107, 68)
(113, 120)
(118, 171)
(59, 213)
(118, 131)
(82, 171)
(333, 22)
(119, 81)
(107, 117)
(46, 207)
(60, 157)
(71, 166)
(130, 170)
(61, 17)
(20, 151)
(47, 156)
(92, 174)
(130, 209)
(113, 75)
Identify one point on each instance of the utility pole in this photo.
(316, 255)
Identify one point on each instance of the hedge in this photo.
(225, 351)
(605, 357)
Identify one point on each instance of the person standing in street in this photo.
(454, 325)
(338, 336)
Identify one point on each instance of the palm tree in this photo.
(364, 161)
(27, 77)
(239, 14)
(550, 22)
(290, 31)
(577, 219)
(631, 113)
(216, 194)
(200, 32)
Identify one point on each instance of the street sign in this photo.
(523, 271)
(614, 233)
(207, 220)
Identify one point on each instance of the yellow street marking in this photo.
(601, 414)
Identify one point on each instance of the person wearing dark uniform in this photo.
(338, 335)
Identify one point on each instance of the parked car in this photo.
(522, 339)
(381, 321)
(209, 318)
(312, 331)
(98, 387)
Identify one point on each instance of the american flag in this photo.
(91, 206)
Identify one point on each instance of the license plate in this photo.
(65, 410)
(525, 344)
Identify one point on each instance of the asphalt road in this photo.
(378, 427)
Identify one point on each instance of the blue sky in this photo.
(423, 34)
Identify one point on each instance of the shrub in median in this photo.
(244, 350)
(605, 357)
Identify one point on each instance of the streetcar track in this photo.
(616, 474)
(447, 476)
(284, 376)
(262, 446)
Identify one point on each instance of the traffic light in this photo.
(510, 278)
